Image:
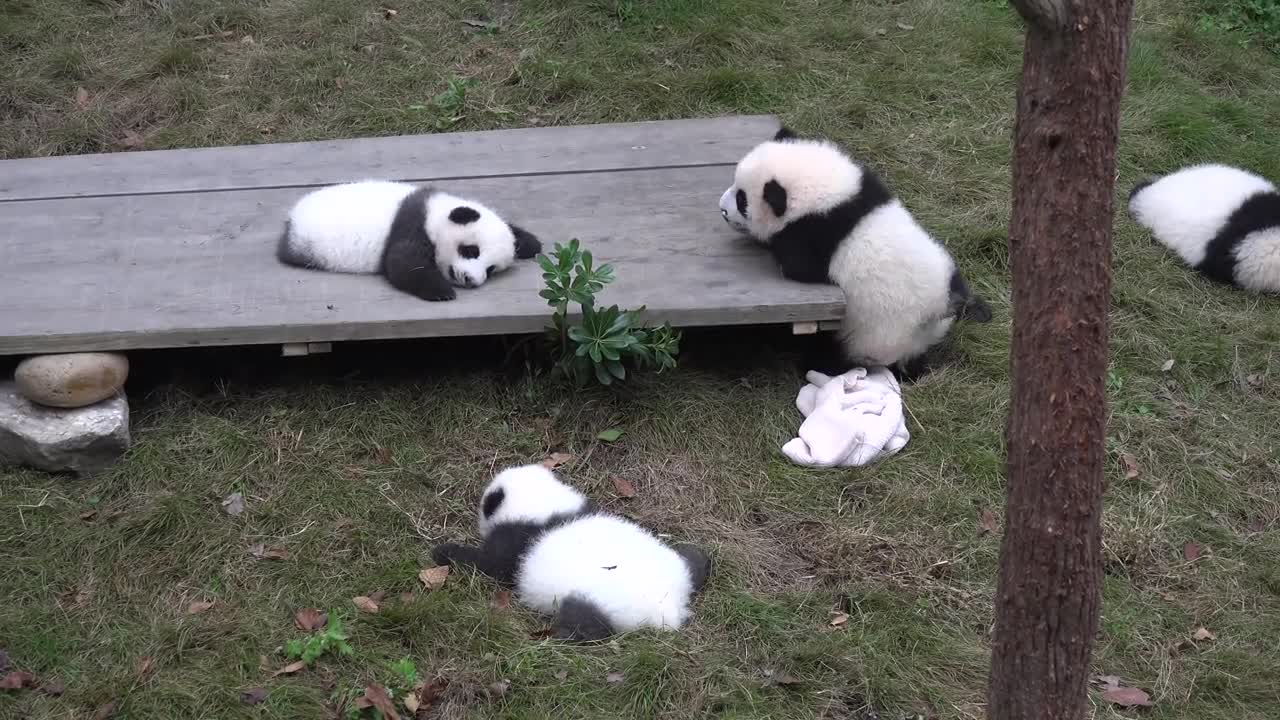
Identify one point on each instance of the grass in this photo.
(356, 463)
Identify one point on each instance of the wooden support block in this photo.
(809, 327)
(293, 349)
(319, 347)
(828, 325)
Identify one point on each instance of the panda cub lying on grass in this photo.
(423, 240)
(830, 219)
(598, 573)
(1222, 221)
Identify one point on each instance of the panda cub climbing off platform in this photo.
(827, 218)
(598, 573)
(423, 240)
(1222, 221)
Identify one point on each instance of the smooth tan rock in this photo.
(72, 380)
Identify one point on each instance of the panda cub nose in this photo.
(724, 214)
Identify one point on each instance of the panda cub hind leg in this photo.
(579, 619)
(698, 562)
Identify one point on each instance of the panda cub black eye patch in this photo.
(742, 203)
(470, 252)
(488, 272)
(463, 215)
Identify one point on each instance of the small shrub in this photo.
(310, 648)
(600, 344)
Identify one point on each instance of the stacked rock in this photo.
(65, 412)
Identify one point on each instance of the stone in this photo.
(84, 440)
(71, 380)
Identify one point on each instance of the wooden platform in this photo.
(176, 248)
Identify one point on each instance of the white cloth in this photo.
(850, 419)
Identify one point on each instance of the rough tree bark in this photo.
(1048, 595)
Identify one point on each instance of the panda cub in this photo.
(827, 218)
(598, 573)
(423, 240)
(1222, 221)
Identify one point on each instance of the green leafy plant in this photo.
(603, 340)
(406, 673)
(331, 639)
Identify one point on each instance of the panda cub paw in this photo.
(448, 553)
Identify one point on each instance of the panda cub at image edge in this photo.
(425, 241)
(597, 573)
(1222, 221)
(829, 219)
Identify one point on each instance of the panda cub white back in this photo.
(1222, 221)
(829, 219)
(598, 573)
(424, 240)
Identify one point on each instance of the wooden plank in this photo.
(155, 271)
(415, 158)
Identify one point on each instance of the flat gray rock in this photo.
(83, 440)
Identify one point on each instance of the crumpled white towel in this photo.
(850, 419)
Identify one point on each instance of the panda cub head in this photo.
(472, 242)
(784, 179)
(527, 494)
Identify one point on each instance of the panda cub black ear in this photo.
(776, 196)
(785, 133)
(463, 215)
(527, 244)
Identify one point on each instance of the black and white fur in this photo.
(598, 573)
(830, 219)
(423, 240)
(1222, 221)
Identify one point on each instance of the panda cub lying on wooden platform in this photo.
(830, 219)
(598, 573)
(423, 240)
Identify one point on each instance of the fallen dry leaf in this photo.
(987, 522)
(105, 711)
(501, 600)
(144, 666)
(562, 675)
(253, 696)
(1191, 551)
(309, 619)
(200, 606)
(366, 604)
(1130, 466)
(263, 664)
(1127, 697)
(88, 516)
(556, 460)
(376, 697)
(133, 140)
(289, 669)
(389, 13)
(1167, 366)
(1204, 634)
(232, 504)
(614, 678)
(785, 679)
(428, 694)
(1109, 681)
(55, 688)
(434, 577)
(17, 680)
(82, 98)
(247, 40)
(839, 618)
(904, 26)
(625, 489)
(406, 598)
(262, 552)
(500, 688)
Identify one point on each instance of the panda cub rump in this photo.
(1222, 221)
(597, 573)
(629, 576)
(425, 241)
(829, 219)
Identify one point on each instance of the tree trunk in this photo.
(1048, 596)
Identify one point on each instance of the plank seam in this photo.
(448, 178)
